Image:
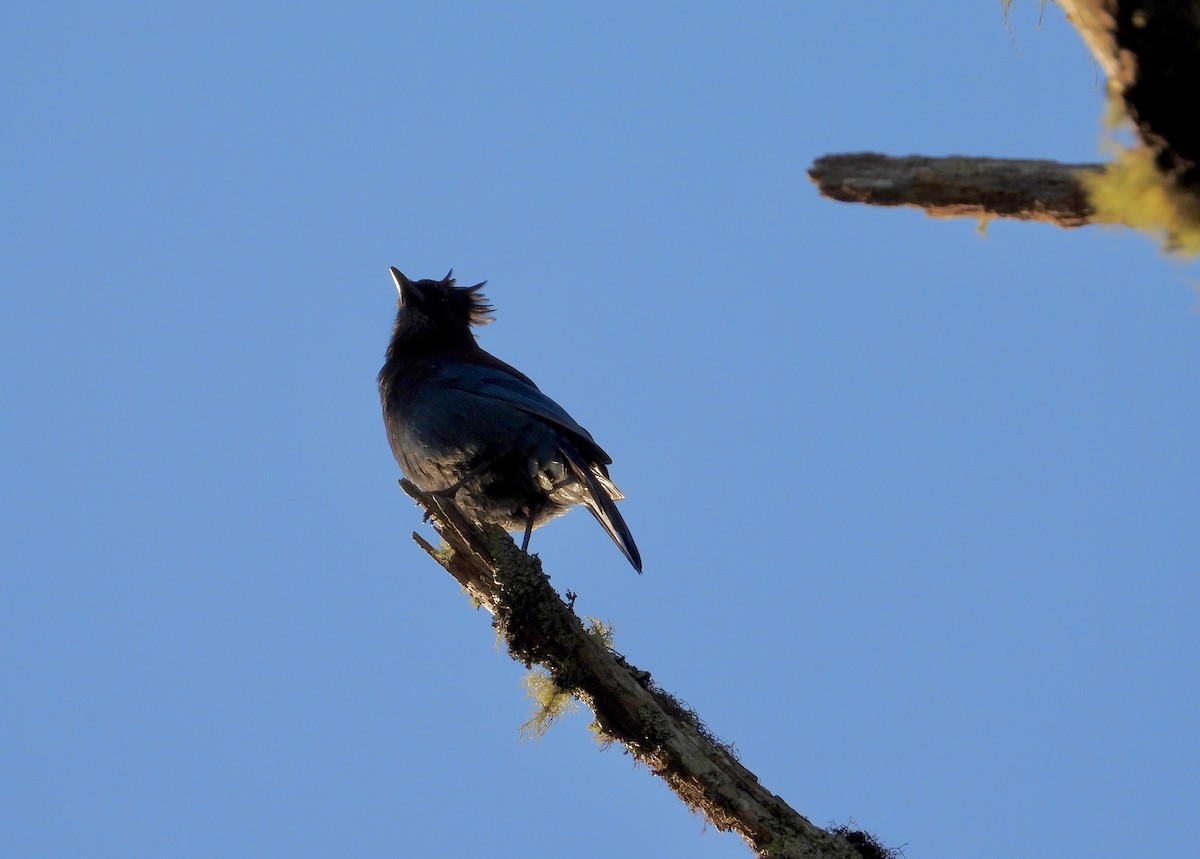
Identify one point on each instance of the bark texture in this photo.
(959, 187)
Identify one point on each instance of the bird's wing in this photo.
(491, 382)
(592, 488)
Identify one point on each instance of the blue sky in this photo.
(918, 507)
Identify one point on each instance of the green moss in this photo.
(1132, 192)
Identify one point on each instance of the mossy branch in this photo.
(542, 629)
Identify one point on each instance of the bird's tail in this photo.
(598, 497)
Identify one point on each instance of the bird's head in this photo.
(440, 305)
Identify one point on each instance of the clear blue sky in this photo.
(918, 507)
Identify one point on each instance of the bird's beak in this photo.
(403, 284)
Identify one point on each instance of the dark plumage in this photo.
(464, 424)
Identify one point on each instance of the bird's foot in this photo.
(528, 531)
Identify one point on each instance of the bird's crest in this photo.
(443, 297)
(479, 312)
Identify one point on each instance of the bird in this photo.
(466, 426)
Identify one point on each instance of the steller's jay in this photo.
(467, 426)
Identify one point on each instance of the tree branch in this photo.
(1149, 50)
(540, 628)
(960, 187)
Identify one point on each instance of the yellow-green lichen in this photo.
(443, 553)
(550, 702)
(1132, 192)
(601, 631)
